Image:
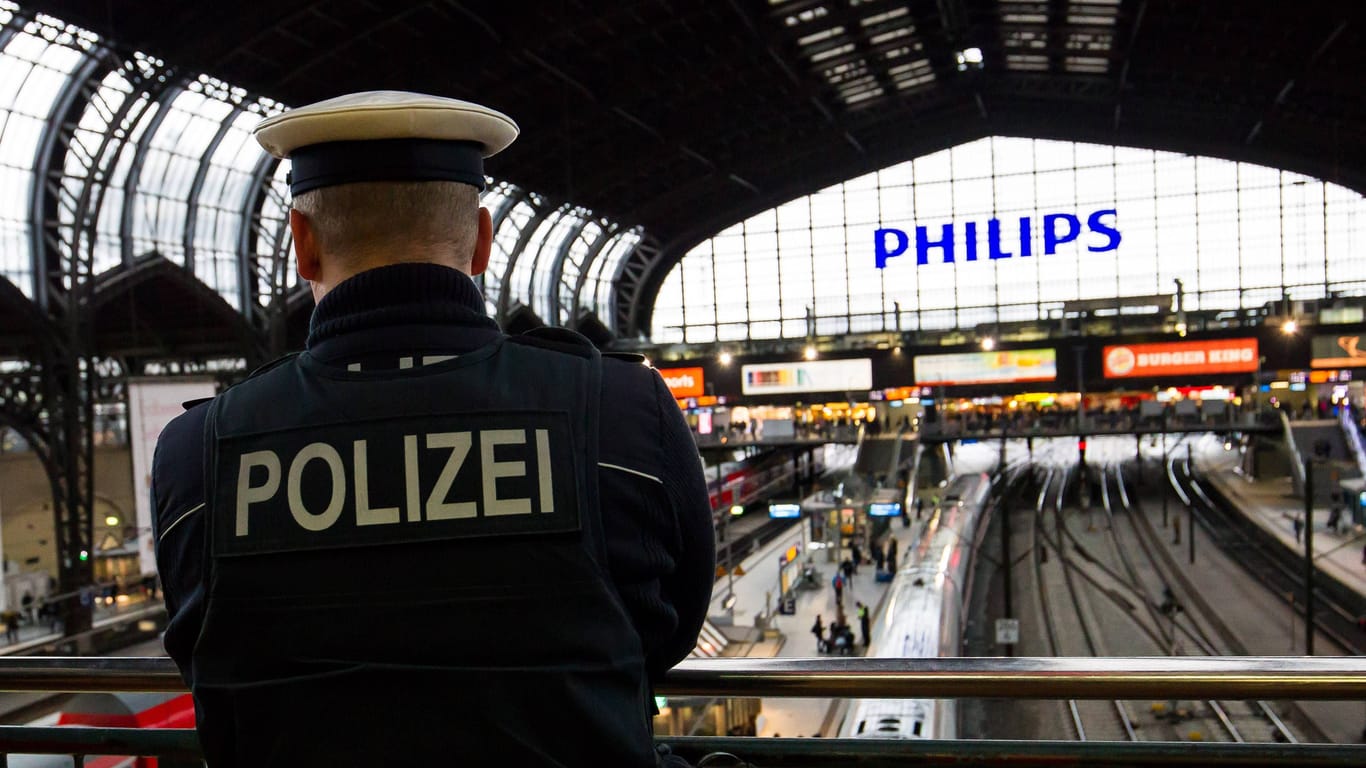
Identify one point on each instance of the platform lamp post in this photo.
(723, 537)
(1165, 481)
(1006, 563)
(1190, 508)
(1309, 554)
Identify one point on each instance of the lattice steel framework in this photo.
(791, 96)
(134, 155)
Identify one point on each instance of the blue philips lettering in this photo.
(880, 245)
(1051, 238)
(923, 244)
(994, 240)
(1058, 229)
(1112, 235)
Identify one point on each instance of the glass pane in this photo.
(1007, 229)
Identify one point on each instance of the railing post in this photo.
(1308, 556)
(1190, 508)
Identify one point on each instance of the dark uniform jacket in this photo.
(654, 548)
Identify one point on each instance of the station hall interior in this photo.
(1009, 332)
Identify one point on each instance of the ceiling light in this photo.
(724, 358)
(988, 344)
(1289, 327)
(809, 353)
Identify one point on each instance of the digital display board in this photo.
(1177, 358)
(809, 376)
(784, 510)
(684, 382)
(884, 509)
(1337, 352)
(999, 367)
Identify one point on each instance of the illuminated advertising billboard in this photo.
(809, 376)
(784, 511)
(884, 509)
(1000, 367)
(1337, 352)
(151, 406)
(1178, 358)
(684, 382)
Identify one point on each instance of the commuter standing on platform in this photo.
(818, 629)
(11, 619)
(863, 622)
(339, 534)
(891, 555)
(838, 584)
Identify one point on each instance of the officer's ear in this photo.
(305, 246)
(483, 244)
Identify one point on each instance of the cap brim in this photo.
(447, 119)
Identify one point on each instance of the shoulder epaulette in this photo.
(557, 340)
(188, 404)
(630, 357)
(272, 364)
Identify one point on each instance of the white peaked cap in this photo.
(373, 115)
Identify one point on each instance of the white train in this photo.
(923, 616)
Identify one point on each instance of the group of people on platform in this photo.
(31, 612)
(884, 558)
(839, 637)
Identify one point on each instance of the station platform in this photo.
(789, 636)
(1265, 628)
(34, 635)
(1274, 506)
(757, 630)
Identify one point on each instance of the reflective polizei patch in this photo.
(395, 481)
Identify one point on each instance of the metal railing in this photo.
(1292, 452)
(1166, 677)
(1286, 678)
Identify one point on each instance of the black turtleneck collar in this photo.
(399, 294)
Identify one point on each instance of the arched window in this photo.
(1008, 230)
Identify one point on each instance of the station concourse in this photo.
(1060, 301)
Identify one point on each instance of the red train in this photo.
(754, 477)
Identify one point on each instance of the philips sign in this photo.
(1055, 229)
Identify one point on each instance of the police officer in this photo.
(421, 541)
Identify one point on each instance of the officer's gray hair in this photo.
(394, 221)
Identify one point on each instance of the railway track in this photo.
(1276, 568)
(1118, 602)
(1192, 629)
(737, 548)
(1091, 720)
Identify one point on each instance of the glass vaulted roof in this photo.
(160, 163)
(1010, 230)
